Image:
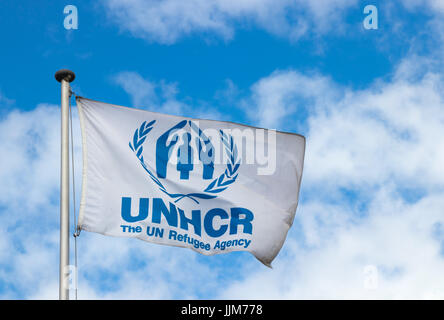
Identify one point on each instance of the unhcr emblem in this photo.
(187, 146)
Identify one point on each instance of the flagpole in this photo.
(64, 77)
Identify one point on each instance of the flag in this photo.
(210, 186)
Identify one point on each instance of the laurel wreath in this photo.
(216, 186)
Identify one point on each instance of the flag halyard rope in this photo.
(76, 231)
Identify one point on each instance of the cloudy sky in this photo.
(370, 222)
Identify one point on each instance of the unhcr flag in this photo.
(210, 186)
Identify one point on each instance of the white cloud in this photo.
(372, 190)
(142, 91)
(29, 211)
(417, 23)
(28, 169)
(372, 194)
(168, 21)
(160, 96)
(389, 133)
(396, 238)
(284, 94)
(5, 100)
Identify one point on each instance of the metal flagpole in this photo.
(64, 77)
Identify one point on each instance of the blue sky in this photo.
(370, 103)
(199, 62)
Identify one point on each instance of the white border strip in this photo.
(85, 163)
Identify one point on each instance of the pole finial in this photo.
(65, 74)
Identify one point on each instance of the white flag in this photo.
(210, 186)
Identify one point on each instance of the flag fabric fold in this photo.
(210, 186)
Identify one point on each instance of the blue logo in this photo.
(165, 147)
